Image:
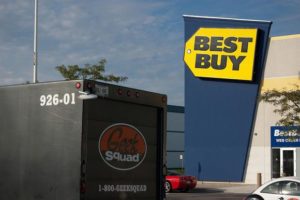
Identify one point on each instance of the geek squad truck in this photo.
(81, 140)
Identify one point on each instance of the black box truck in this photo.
(81, 140)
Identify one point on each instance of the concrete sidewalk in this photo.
(226, 187)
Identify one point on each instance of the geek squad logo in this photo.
(122, 146)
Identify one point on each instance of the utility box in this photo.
(81, 140)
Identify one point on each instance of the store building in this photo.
(224, 64)
(274, 159)
(273, 151)
(175, 137)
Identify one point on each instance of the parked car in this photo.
(176, 181)
(287, 188)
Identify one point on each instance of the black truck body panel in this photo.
(50, 144)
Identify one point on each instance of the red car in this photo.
(175, 181)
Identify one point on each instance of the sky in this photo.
(140, 39)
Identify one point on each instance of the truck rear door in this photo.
(123, 146)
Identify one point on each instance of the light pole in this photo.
(35, 60)
(181, 159)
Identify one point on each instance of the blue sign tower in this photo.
(219, 112)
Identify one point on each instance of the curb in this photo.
(226, 187)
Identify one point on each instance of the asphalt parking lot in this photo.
(214, 191)
(204, 196)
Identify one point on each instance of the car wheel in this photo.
(168, 186)
(254, 197)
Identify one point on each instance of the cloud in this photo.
(8, 77)
(136, 37)
(140, 39)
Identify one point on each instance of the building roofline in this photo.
(175, 109)
(284, 37)
(226, 18)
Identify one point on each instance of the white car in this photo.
(287, 188)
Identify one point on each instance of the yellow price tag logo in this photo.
(226, 53)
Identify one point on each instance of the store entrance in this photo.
(283, 162)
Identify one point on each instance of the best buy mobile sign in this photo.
(226, 53)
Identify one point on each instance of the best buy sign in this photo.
(226, 53)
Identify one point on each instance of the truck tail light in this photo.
(78, 85)
(90, 85)
(82, 187)
(137, 94)
(164, 99)
(120, 92)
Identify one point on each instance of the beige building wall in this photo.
(282, 72)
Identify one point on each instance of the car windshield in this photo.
(173, 173)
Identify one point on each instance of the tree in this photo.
(95, 72)
(287, 104)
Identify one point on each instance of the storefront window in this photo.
(276, 163)
(288, 162)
